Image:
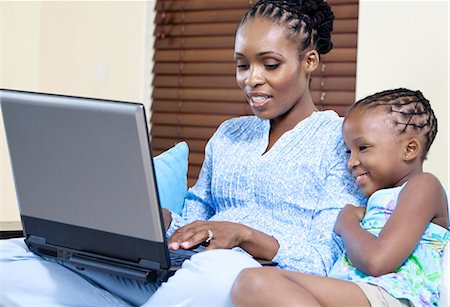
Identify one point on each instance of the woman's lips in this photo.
(259, 101)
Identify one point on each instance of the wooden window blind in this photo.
(194, 72)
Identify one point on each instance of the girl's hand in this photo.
(215, 234)
(348, 214)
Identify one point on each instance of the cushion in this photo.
(171, 176)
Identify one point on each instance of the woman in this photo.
(271, 185)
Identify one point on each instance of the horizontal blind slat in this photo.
(210, 107)
(226, 55)
(164, 143)
(208, 68)
(333, 97)
(193, 171)
(223, 82)
(182, 132)
(207, 16)
(217, 42)
(196, 120)
(341, 11)
(229, 68)
(178, 5)
(196, 81)
(199, 94)
(229, 28)
(235, 95)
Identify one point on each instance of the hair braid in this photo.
(409, 110)
(312, 19)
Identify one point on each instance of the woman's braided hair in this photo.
(408, 110)
(310, 19)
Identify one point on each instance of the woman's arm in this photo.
(420, 201)
(225, 235)
(167, 217)
(197, 200)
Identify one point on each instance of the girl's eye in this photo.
(272, 66)
(348, 151)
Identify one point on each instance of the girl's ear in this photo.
(311, 60)
(412, 149)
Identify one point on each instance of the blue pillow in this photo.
(171, 176)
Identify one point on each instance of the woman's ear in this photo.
(412, 149)
(311, 60)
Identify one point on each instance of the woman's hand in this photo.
(225, 235)
(215, 234)
(349, 214)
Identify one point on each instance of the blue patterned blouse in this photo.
(292, 192)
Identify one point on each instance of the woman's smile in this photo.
(259, 101)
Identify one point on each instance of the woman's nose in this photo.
(254, 77)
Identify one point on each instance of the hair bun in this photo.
(322, 18)
(314, 17)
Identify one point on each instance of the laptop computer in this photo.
(85, 183)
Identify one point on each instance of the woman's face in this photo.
(269, 70)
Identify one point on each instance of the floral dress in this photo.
(419, 278)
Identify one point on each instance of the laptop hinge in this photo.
(32, 239)
(144, 276)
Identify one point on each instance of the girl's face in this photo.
(269, 70)
(376, 150)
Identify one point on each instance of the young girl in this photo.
(393, 248)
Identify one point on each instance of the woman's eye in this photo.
(242, 66)
(272, 66)
(362, 147)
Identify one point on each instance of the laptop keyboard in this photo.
(177, 257)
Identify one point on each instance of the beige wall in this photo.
(405, 44)
(97, 49)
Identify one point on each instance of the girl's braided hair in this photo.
(311, 20)
(408, 110)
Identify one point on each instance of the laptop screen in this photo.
(83, 162)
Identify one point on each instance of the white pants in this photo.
(29, 280)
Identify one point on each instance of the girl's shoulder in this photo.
(424, 181)
(426, 190)
(425, 186)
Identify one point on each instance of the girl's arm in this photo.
(420, 202)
